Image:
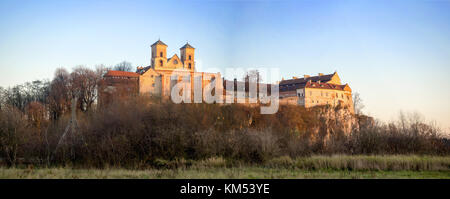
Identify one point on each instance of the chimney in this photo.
(306, 76)
(320, 74)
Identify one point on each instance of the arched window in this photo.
(189, 65)
(160, 63)
(190, 58)
(161, 54)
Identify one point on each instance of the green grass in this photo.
(336, 166)
(243, 172)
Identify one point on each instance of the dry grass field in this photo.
(315, 167)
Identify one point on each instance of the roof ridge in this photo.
(159, 42)
(187, 45)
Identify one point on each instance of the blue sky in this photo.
(396, 53)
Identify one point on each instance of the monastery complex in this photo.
(163, 73)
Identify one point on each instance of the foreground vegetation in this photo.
(136, 134)
(354, 167)
(214, 173)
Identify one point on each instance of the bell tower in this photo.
(159, 54)
(187, 57)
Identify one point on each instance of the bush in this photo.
(138, 133)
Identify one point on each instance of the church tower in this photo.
(187, 57)
(159, 54)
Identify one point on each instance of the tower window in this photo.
(189, 64)
(161, 54)
(190, 58)
(160, 62)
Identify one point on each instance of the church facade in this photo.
(164, 73)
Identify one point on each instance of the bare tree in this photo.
(35, 112)
(12, 127)
(59, 99)
(357, 103)
(84, 86)
(2, 97)
(101, 69)
(123, 66)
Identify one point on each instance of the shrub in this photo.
(138, 133)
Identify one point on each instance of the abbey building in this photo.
(319, 90)
(163, 73)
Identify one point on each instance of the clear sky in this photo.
(395, 53)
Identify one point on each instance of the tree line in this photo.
(52, 98)
(143, 132)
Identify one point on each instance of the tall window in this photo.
(190, 58)
(161, 54)
(189, 64)
(160, 63)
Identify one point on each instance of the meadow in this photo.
(314, 167)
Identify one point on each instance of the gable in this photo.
(174, 62)
(334, 79)
(149, 72)
(347, 88)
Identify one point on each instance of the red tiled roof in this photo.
(116, 73)
(311, 84)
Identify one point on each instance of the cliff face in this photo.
(335, 121)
